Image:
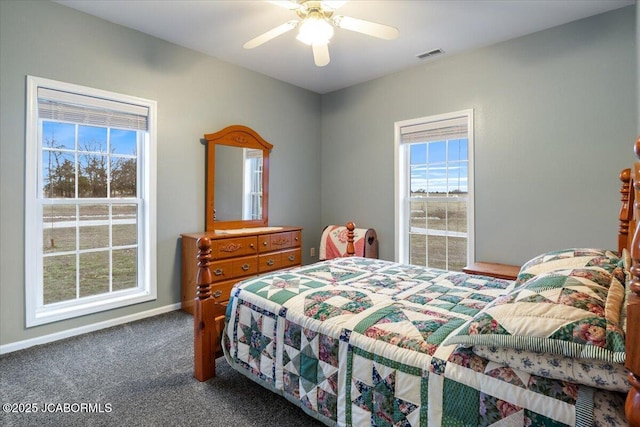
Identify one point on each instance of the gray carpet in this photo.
(137, 374)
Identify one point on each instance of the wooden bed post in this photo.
(632, 405)
(626, 209)
(351, 248)
(206, 337)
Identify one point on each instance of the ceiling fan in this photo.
(316, 27)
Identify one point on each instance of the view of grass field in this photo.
(76, 246)
(89, 228)
(438, 236)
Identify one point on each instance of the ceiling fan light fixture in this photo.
(316, 26)
(315, 30)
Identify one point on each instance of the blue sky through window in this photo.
(91, 138)
(123, 141)
(439, 166)
(62, 136)
(58, 135)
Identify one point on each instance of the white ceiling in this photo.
(220, 28)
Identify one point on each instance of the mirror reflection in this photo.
(238, 183)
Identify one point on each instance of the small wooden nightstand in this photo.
(499, 271)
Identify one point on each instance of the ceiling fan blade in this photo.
(321, 54)
(333, 4)
(292, 5)
(271, 34)
(366, 27)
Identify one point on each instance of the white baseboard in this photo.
(20, 345)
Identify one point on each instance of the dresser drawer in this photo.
(277, 260)
(291, 258)
(245, 266)
(220, 291)
(221, 270)
(268, 262)
(239, 246)
(277, 241)
(296, 239)
(236, 267)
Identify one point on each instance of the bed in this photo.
(359, 341)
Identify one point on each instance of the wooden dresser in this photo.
(237, 256)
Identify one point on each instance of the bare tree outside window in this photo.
(86, 166)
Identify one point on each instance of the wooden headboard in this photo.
(629, 238)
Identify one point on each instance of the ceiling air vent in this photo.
(429, 54)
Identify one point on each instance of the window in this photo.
(252, 203)
(90, 201)
(434, 191)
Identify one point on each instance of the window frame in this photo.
(402, 207)
(37, 313)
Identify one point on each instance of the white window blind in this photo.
(436, 131)
(82, 109)
(253, 153)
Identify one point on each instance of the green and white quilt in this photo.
(358, 342)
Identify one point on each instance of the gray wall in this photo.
(556, 115)
(195, 94)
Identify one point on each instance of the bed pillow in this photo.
(571, 312)
(592, 373)
(625, 263)
(567, 258)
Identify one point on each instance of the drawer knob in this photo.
(218, 272)
(264, 243)
(217, 294)
(252, 246)
(245, 267)
(270, 262)
(291, 257)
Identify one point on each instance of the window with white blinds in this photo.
(90, 200)
(434, 190)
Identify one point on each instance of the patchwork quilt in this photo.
(358, 342)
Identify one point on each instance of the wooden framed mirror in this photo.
(237, 187)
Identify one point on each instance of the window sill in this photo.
(62, 311)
